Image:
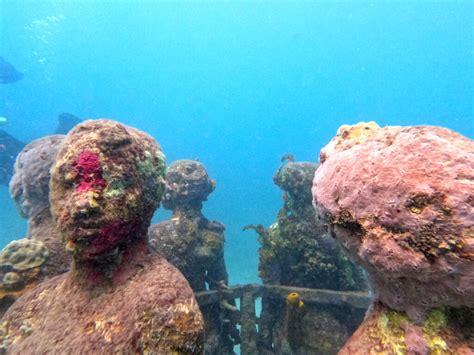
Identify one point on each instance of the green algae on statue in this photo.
(407, 217)
(119, 295)
(195, 245)
(297, 250)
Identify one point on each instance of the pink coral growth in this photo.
(89, 172)
(108, 238)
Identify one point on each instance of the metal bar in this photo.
(308, 295)
(248, 330)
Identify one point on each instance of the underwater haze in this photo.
(235, 84)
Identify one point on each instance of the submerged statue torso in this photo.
(119, 296)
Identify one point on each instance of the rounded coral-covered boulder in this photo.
(401, 202)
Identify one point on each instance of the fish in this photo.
(8, 73)
(66, 121)
(9, 149)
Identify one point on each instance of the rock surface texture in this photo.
(400, 200)
(119, 296)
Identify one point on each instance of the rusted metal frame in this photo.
(248, 321)
(308, 295)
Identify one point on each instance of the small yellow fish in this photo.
(293, 300)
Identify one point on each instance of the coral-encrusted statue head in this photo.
(187, 185)
(29, 186)
(105, 186)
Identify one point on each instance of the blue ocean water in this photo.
(235, 84)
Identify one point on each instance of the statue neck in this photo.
(39, 224)
(188, 211)
(109, 270)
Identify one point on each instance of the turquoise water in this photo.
(236, 85)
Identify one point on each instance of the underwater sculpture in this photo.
(119, 296)
(26, 262)
(297, 250)
(195, 246)
(400, 200)
(10, 147)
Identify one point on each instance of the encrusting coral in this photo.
(119, 295)
(24, 254)
(22, 266)
(400, 201)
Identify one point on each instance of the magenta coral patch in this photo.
(109, 237)
(89, 172)
(113, 232)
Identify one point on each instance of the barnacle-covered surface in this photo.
(400, 201)
(189, 241)
(194, 245)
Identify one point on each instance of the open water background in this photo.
(235, 84)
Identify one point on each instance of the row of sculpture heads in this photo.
(103, 182)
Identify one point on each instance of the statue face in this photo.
(187, 181)
(103, 194)
(29, 186)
